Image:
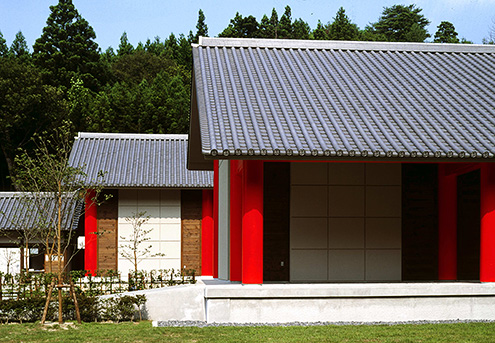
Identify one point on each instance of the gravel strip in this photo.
(201, 324)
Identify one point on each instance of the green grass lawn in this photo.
(144, 332)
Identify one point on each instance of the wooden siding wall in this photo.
(468, 226)
(276, 221)
(107, 217)
(419, 222)
(191, 215)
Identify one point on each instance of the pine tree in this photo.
(67, 49)
(401, 23)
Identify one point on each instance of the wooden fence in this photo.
(25, 285)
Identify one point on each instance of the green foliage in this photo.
(446, 33)
(201, 27)
(125, 47)
(4, 50)
(67, 49)
(342, 28)
(241, 27)
(400, 23)
(269, 26)
(27, 106)
(285, 29)
(19, 46)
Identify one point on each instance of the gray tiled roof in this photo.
(136, 160)
(20, 210)
(271, 99)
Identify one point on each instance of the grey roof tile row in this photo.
(136, 160)
(306, 99)
(21, 210)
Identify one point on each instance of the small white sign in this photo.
(81, 242)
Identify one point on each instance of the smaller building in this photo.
(25, 219)
(142, 173)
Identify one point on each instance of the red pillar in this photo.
(252, 222)
(447, 225)
(235, 220)
(487, 247)
(90, 236)
(215, 219)
(207, 234)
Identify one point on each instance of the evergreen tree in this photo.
(201, 27)
(401, 23)
(19, 46)
(300, 29)
(125, 47)
(67, 49)
(241, 27)
(446, 33)
(269, 26)
(342, 28)
(27, 106)
(4, 50)
(320, 32)
(285, 25)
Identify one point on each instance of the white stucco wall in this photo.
(345, 222)
(163, 207)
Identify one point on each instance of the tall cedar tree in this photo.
(342, 28)
(67, 49)
(285, 24)
(125, 47)
(19, 46)
(401, 23)
(4, 50)
(446, 33)
(201, 27)
(269, 26)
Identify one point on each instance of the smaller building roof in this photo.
(136, 160)
(22, 210)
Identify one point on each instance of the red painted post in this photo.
(215, 219)
(236, 220)
(207, 233)
(447, 224)
(90, 234)
(487, 246)
(252, 222)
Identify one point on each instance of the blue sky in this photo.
(149, 18)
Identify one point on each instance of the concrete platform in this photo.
(216, 301)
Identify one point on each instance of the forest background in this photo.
(146, 88)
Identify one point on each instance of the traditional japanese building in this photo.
(143, 173)
(346, 161)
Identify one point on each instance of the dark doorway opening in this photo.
(468, 226)
(276, 221)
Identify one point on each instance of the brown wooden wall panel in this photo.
(107, 217)
(419, 222)
(468, 226)
(191, 215)
(276, 221)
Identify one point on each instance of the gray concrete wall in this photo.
(216, 301)
(223, 219)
